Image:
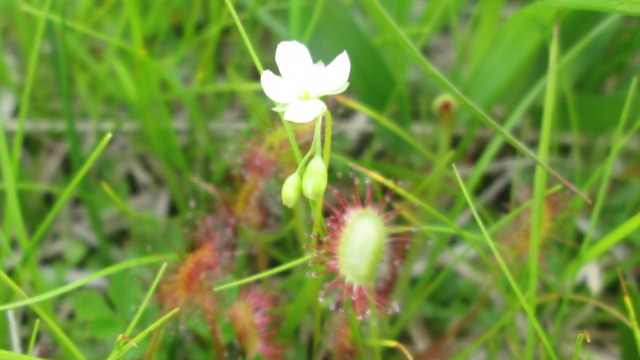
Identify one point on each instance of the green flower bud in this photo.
(445, 106)
(291, 190)
(314, 181)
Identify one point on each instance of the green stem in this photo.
(256, 61)
(327, 138)
(318, 219)
(306, 158)
(292, 139)
(317, 136)
(245, 38)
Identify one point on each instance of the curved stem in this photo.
(304, 160)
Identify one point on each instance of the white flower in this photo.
(301, 84)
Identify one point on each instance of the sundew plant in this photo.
(328, 179)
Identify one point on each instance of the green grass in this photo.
(135, 132)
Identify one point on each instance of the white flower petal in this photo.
(294, 61)
(333, 78)
(280, 107)
(277, 88)
(304, 110)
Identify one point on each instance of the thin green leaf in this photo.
(32, 65)
(377, 11)
(540, 184)
(388, 124)
(264, 274)
(146, 300)
(34, 336)
(76, 284)
(256, 61)
(8, 355)
(609, 241)
(635, 328)
(66, 194)
(505, 270)
(67, 346)
(125, 348)
(629, 7)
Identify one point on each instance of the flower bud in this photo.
(445, 106)
(314, 181)
(291, 190)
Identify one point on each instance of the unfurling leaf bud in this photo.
(314, 181)
(291, 190)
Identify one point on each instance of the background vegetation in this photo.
(135, 131)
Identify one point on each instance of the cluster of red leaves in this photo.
(190, 285)
(254, 323)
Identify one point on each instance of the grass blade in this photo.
(617, 145)
(34, 335)
(14, 217)
(8, 355)
(607, 242)
(79, 28)
(505, 270)
(256, 61)
(392, 28)
(145, 302)
(629, 7)
(28, 86)
(495, 145)
(126, 209)
(540, 184)
(66, 194)
(632, 313)
(264, 274)
(76, 284)
(143, 306)
(67, 346)
(408, 196)
(388, 124)
(125, 348)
